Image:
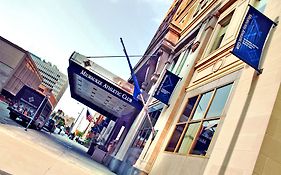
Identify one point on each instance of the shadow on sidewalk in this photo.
(4, 173)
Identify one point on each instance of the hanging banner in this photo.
(166, 87)
(251, 38)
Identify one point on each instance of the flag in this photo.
(137, 90)
(89, 117)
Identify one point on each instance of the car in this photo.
(50, 125)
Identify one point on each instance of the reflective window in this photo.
(175, 138)
(202, 106)
(205, 136)
(188, 138)
(188, 109)
(219, 101)
(194, 136)
(222, 28)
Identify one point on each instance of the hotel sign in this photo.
(252, 37)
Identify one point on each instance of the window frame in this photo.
(221, 29)
(200, 121)
(181, 59)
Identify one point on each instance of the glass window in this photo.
(182, 61)
(188, 109)
(202, 106)
(179, 62)
(219, 101)
(175, 138)
(205, 136)
(196, 138)
(188, 138)
(223, 25)
(145, 130)
(173, 64)
(260, 5)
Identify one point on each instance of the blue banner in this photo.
(251, 38)
(166, 88)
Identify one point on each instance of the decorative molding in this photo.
(217, 65)
(195, 46)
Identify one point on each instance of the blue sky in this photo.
(53, 29)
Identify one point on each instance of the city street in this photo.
(41, 153)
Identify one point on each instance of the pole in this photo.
(41, 104)
(136, 84)
(78, 119)
(85, 132)
(120, 56)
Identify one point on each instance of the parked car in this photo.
(50, 125)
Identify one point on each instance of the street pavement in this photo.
(41, 153)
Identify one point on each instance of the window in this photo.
(196, 127)
(223, 25)
(260, 5)
(202, 4)
(145, 130)
(179, 62)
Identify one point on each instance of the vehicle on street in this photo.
(30, 104)
(50, 125)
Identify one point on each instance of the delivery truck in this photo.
(30, 105)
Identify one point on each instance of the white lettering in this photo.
(125, 97)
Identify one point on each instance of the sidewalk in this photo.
(21, 157)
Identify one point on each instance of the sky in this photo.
(54, 29)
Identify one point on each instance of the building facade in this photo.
(222, 117)
(52, 77)
(16, 69)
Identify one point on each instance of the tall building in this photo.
(222, 117)
(52, 77)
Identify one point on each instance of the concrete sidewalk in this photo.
(21, 157)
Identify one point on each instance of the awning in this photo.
(101, 90)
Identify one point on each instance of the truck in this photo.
(30, 105)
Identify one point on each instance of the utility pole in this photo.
(77, 119)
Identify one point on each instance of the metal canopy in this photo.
(101, 90)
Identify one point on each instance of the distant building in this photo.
(16, 69)
(68, 120)
(52, 77)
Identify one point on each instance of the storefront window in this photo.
(202, 106)
(205, 136)
(188, 138)
(218, 102)
(146, 129)
(193, 135)
(175, 138)
(188, 109)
